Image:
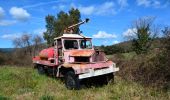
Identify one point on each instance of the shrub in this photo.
(147, 69)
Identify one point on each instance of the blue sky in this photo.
(110, 20)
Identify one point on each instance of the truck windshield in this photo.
(70, 44)
(85, 44)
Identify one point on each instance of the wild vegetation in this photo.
(26, 83)
(148, 67)
(144, 59)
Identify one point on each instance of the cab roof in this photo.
(70, 36)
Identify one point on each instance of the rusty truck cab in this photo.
(66, 44)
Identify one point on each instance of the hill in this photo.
(7, 50)
(126, 46)
(157, 43)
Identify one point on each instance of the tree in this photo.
(48, 35)
(55, 25)
(17, 42)
(37, 40)
(144, 35)
(26, 40)
(75, 18)
(24, 43)
(61, 23)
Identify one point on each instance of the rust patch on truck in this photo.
(81, 67)
(81, 53)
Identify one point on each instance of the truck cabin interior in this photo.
(70, 44)
(77, 44)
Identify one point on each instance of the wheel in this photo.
(41, 69)
(72, 81)
(109, 78)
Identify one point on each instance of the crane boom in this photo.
(70, 28)
(82, 22)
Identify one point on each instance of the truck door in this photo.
(58, 51)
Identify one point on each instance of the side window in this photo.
(59, 46)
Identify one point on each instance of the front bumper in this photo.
(97, 72)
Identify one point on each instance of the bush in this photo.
(149, 70)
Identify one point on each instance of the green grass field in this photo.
(26, 84)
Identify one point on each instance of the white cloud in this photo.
(59, 7)
(7, 22)
(156, 4)
(103, 34)
(145, 3)
(19, 13)
(129, 33)
(106, 8)
(10, 36)
(17, 35)
(149, 3)
(103, 9)
(2, 12)
(41, 4)
(167, 3)
(87, 10)
(122, 3)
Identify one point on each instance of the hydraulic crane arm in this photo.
(71, 28)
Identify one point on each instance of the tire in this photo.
(72, 81)
(109, 78)
(41, 70)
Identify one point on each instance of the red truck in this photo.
(74, 58)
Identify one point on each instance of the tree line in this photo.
(143, 40)
(28, 44)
